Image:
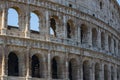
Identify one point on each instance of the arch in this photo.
(34, 22)
(84, 34)
(13, 17)
(102, 40)
(73, 68)
(70, 29)
(35, 66)
(94, 37)
(101, 4)
(105, 72)
(56, 68)
(13, 64)
(114, 46)
(97, 71)
(53, 27)
(86, 70)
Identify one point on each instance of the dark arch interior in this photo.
(70, 71)
(53, 25)
(105, 72)
(13, 69)
(86, 72)
(54, 69)
(83, 31)
(35, 66)
(68, 31)
(97, 72)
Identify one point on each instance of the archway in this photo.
(34, 22)
(84, 33)
(73, 68)
(13, 66)
(105, 72)
(54, 69)
(97, 71)
(12, 18)
(53, 27)
(35, 66)
(86, 70)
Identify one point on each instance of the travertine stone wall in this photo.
(79, 56)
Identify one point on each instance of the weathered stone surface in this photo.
(84, 44)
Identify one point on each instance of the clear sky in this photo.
(118, 1)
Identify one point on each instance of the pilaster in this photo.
(49, 65)
(27, 22)
(4, 20)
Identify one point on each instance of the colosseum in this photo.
(74, 40)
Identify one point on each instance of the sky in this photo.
(118, 1)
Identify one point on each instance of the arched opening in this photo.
(97, 71)
(84, 33)
(103, 41)
(86, 70)
(34, 23)
(112, 73)
(54, 69)
(35, 66)
(114, 46)
(109, 44)
(101, 5)
(94, 37)
(53, 27)
(12, 18)
(105, 72)
(68, 30)
(13, 68)
(73, 69)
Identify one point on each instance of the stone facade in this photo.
(84, 44)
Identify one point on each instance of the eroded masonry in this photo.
(71, 40)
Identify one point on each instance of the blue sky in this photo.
(118, 1)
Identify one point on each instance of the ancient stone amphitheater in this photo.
(75, 40)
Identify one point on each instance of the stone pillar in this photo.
(112, 46)
(81, 71)
(78, 33)
(47, 32)
(28, 64)
(66, 68)
(99, 39)
(106, 43)
(64, 26)
(115, 72)
(109, 72)
(89, 35)
(101, 76)
(4, 59)
(92, 71)
(102, 72)
(27, 23)
(49, 65)
(4, 20)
